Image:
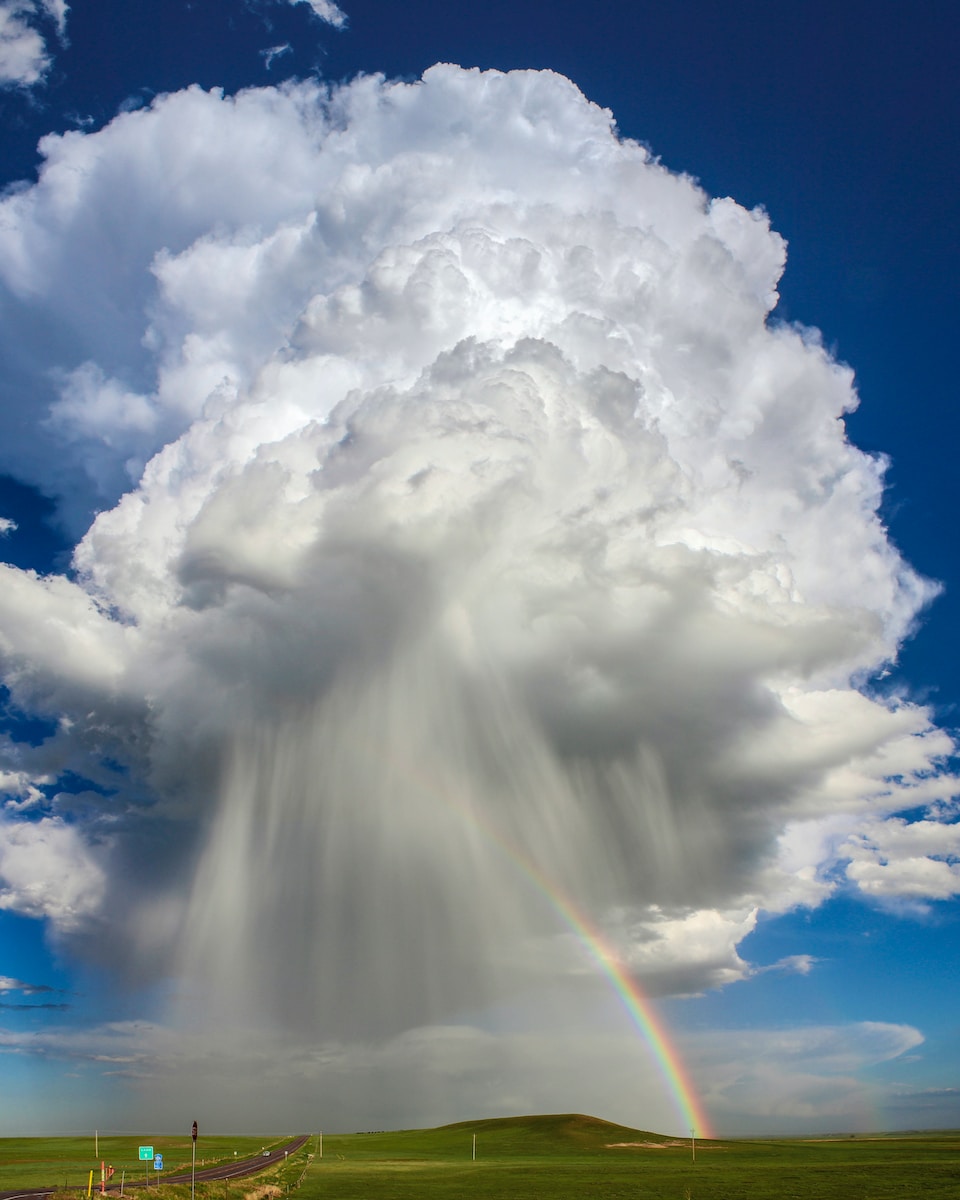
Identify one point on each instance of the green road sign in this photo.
(146, 1152)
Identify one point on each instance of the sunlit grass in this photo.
(551, 1158)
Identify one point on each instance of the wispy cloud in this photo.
(7, 985)
(814, 1077)
(30, 1007)
(792, 964)
(274, 52)
(18, 985)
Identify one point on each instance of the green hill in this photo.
(551, 1134)
(558, 1135)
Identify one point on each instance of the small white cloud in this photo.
(24, 57)
(274, 52)
(913, 861)
(23, 52)
(19, 790)
(80, 120)
(326, 10)
(7, 526)
(793, 964)
(47, 870)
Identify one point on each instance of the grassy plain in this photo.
(67, 1162)
(573, 1157)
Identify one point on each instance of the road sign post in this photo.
(146, 1153)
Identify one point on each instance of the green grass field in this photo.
(67, 1162)
(547, 1158)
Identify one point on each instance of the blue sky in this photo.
(748, 789)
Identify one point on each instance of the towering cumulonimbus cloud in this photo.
(468, 524)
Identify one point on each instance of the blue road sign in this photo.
(158, 1162)
(146, 1152)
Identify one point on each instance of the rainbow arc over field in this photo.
(639, 1008)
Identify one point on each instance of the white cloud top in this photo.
(469, 532)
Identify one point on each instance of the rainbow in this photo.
(637, 1006)
(640, 1010)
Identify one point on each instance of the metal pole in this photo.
(321, 1143)
(474, 1147)
(123, 1175)
(193, 1173)
(693, 1146)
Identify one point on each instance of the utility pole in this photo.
(193, 1173)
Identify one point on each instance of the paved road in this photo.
(236, 1169)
